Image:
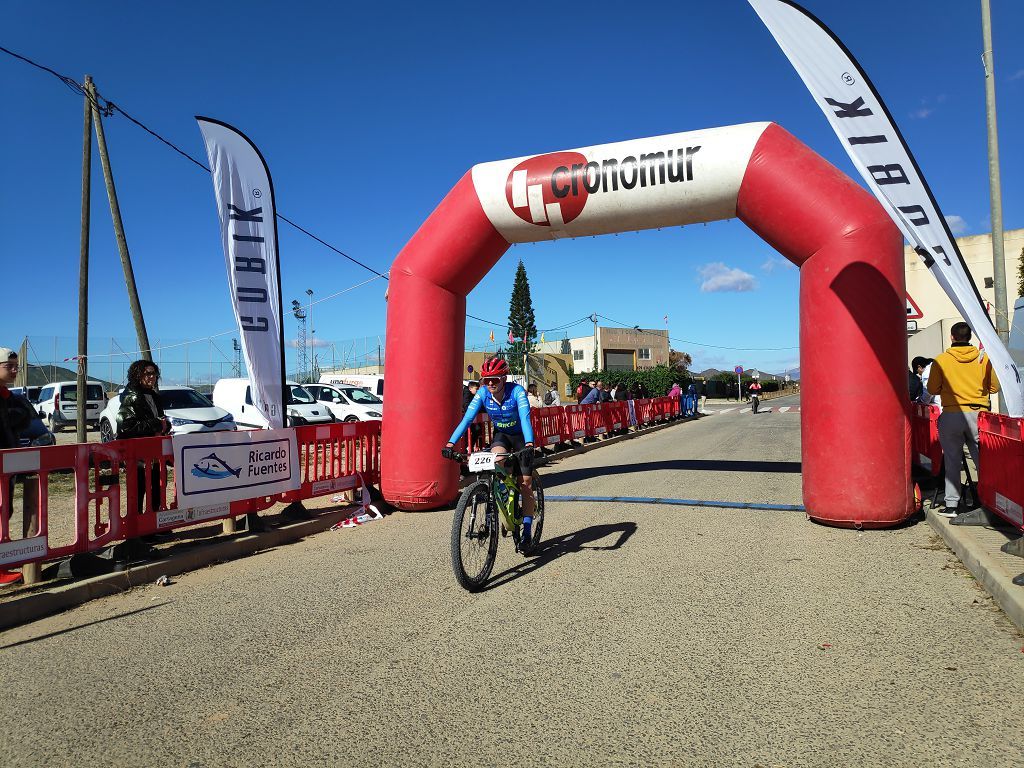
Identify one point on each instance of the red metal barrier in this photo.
(1000, 460)
(577, 422)
(924, 437)
(616, 416)
(105, 479)
(644, 410)
(548, 426)
(467, 444)
(595, 419)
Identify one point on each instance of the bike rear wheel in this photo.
(474, 536)
(538, 514)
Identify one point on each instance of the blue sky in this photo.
(368, 115)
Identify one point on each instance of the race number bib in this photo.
(481, 462)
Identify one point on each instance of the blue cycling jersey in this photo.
(511, 416)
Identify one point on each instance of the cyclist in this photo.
(755, 394)
(509, 411)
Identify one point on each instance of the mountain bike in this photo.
(490, 503)
(755, 401)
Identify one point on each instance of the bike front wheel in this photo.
(474, 536)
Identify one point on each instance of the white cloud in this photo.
(719, 278)
(1017, 75)
(922, 113)
(294, 343)
(957, 225)
(772, 263)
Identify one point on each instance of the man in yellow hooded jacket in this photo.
(962, 377)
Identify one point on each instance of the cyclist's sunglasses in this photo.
(491, 380)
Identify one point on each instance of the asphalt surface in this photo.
(640, 635)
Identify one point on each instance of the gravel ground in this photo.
(640, 635)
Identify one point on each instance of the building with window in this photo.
(614, 349)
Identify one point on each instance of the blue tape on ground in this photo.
(681, 502)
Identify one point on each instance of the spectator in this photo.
(551, 396)
(641, 391)
(675, 390)
(963, 379)
(532, 397)
(921, 367)
(141, 415)
(594, 395)
(582, 391)
(469, 391)
(702, 396)
(16, 414)
(914, 385)
(622, 393)
(606, 396)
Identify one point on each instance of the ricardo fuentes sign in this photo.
(218, 467)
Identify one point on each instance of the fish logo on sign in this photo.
(537, 188)
(214, 468)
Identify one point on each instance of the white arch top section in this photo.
(663, 181)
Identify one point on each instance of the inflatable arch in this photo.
(855, 425)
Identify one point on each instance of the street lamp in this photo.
(300, 315)
(312, 338)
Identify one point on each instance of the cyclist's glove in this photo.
(448, 453)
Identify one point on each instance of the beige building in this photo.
(618, 349)
(924, 291)
(544, 368)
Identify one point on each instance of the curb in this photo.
(989, 572)
(60, 598)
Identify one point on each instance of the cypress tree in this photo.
(521, 321)
(1020, 274)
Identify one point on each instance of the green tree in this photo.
(521, 321)
(679, 361)
(1020, 274)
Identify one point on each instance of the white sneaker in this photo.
(947, 512)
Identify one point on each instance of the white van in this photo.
(371, 382)
(58, 404)
(235, 397)
(348, 403)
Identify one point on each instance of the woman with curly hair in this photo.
(141, 415)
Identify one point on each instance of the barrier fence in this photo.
(1000, 458)
(99, 488)
(1000, 465)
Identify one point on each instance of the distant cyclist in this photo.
(755, 394)
(509, 411)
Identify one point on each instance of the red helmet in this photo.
(494, 366)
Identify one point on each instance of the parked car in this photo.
(58, 404)
(36, 434)
(346, 402)
(29, 393)
(187, 410)
(372, 383)
(235, 396)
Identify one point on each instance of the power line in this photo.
(701, 344)
(108, 108)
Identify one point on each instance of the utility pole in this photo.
(300, 315)
(236, 366)
(995, 191)
(593, 319)
(83, 264)
(115, 214)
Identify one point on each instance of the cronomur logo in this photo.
(213, 467)
(552, 190)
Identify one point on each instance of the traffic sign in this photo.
(738, 370)
(913, 311)
(469, 368)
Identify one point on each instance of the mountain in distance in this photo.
(794, 373)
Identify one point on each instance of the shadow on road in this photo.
(577, 541)
(83, 626)
(554, 479)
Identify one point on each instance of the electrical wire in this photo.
(701, 344)
(108, 107)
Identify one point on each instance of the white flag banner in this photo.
(248, 225)
(870, 136)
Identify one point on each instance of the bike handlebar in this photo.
(453, 455)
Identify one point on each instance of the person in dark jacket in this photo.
(16, 413)
(141, 415)
(475, 430)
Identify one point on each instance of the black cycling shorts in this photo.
(513, 443)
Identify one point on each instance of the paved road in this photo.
(641, 635)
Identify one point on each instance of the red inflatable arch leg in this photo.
(855, 427)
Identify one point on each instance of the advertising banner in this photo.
(248, 224)
(868, 133)
(219, 467)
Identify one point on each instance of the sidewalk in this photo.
(979, 549)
